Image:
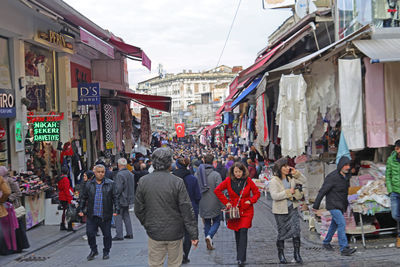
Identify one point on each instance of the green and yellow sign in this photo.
(46, 131)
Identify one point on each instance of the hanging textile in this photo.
(343, 150)
(321, 93)
(261, 122)
(392, 100)
(351, 110)
(145, 130)
(375, 104)
(291, 115)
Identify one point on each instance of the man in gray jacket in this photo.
(125, 186)
(163, 207)
(210, 207)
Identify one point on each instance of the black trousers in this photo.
(241, 244)
(187, 243)
(92, 225)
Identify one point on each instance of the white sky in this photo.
(185, 34)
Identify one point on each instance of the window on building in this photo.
(196, 88)
(205, 98)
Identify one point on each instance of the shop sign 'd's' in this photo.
(46, 131)
(88, 94)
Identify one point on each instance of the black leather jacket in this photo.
(110, 199)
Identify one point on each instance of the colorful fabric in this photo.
(8, 225)
(375, 111)
(98, 201)
(392, 100)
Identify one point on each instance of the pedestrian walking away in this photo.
(100, 197)
(210, 206)
(336, 188)
(65, 196)
(238, 183)
(163, 207)
(284, 206)
(125, 186)
(193, 190)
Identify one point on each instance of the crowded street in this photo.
(199, 133)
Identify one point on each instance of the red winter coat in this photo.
(64, 193)
(246, 210)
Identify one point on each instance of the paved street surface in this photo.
(72, 250)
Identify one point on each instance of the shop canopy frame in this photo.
(380, 50)
(246, 92)
(162, 103)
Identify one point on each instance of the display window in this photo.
(354, 14)
(40, 78)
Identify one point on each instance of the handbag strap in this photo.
(241, 193)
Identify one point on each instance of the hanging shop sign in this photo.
(46, 131)
(109, 145)
(44, 117)
(7, 103)
(88, 94)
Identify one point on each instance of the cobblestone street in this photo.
(72, 251)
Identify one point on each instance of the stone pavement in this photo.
(72, 251)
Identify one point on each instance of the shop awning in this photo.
(302, 61)
(380, 50)
(219, 111)
(209, 128)
(245, 93)
(162, 103)
(262, 63)
(131, 50)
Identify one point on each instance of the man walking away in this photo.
(210, 206)
(162, 197)
(393, 185)
(101, 199)
(336, 188)
(124, 183)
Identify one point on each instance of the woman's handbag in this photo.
(20, 211)
(234, 213)
(298, 192)
(72, 214)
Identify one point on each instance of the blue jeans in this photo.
(395, 207)
(338, 223)
(211, 226)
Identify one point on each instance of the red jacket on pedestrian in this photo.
(64, 189)
(246, 210)
(252, 170)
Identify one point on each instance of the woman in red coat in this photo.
(65, 196)
(239, 182)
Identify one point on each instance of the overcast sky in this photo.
(185, 34)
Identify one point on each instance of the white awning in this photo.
(380, 50)
(340, 43)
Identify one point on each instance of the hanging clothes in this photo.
(291, 115)
(351, 110)
(261, 121)
(392, 100)
(375, 104)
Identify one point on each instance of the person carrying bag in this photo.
(243, 194)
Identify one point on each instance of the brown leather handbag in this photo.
(234, 213)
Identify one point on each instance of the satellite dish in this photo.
(304, 7)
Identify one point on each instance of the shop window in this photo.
(354, 14)
(5, 77)
(39, 76)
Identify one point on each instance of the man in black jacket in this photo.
(163, 207)
(100, 195)
(335, 188)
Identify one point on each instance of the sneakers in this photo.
(117, 239)
(209, 243)
(398, 242)
(348, 251)
(327, 247)
(84, 237)
(128, 237)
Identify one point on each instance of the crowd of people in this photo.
(171, 188)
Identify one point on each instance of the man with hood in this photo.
(335, 188)
(393, 183)
(210, 206)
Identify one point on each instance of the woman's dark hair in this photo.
(278, 166)
(240, 166)
(184, 162)
(64, 170)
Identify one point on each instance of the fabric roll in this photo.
(291, 115)
(392, 100)
(351, 110)
(375, 104)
